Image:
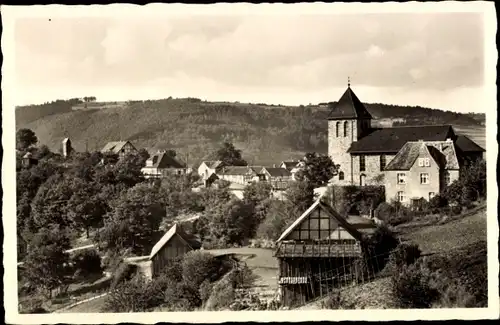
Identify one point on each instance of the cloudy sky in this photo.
(434, 60)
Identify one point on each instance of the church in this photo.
(395, 157)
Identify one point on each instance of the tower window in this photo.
(341, 176)
(362, 180)
(345, 129)
(337, 129)
(362, 163)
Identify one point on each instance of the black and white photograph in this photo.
(286, 162)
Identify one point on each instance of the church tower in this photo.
(348, 122)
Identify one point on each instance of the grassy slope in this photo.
(266, 134)
(462, 242)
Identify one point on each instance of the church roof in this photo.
(467, 145)
(391, 140)
(349, 107)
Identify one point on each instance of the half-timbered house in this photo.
(317, 252)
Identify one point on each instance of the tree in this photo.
(46, 261)
(277, 217)
(144, 154)
(318, 169)
(50, 205)
(134, 220)
(171, 153)
(257, 192)
(85, 207)
(229, 155)
(300, 194)
(25, 138)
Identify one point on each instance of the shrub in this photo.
(379, 247)
(123, 273)
(437, 203)
(335, 300)
(182, 296)
(411, 288)
(393, 214)
(404, 255)
(86, 263)
(222, 295)
(198, 266)
(134, 295)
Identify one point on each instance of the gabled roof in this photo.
(162, 161)
(212, 164)
(407, 156)
(391, 140)
(176, 229)
(236, 170)
(349, 107)
(465, 144)
(114, 146)
(289, 164)
(276, 171)
(319, 204)
(443, 153)
(28, 155)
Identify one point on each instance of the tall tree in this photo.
(46, 260)
(300, 195)
(25, 138)
(318, 169)
(134, 220)
(229, 155)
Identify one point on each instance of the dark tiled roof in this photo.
(276, 172)
(349, 106)
(467, 145)
(406, 157)
(114, 146)
(391, 140)
(289, 164)
(162, 160)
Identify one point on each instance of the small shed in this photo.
(317, 253)
(28, 160)
(176, 242)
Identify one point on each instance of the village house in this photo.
(161, 165)
(242, 175)
(363, 152)
(209, 167)
(120, 148)
(28, 160)
(317, 253)
(278, 178)
(421, 170)
(175, 243)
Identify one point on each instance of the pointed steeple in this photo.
(349, 106)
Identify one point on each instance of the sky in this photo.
(433, 60)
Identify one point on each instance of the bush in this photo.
(134, 295)
(404, 255)
(123, 273)
(393, 214)
(411, 288)
(223, 294)
(379, 247)
(86, 263)
(182, 296)
(335, 300)
(198, 266)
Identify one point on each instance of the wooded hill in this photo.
(266, 134)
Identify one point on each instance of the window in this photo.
(362, 163)
(337, 128)
(424, 162)
(427, 162)
(401, 178)
(345, 129)
(401, 196)
(431, 195)
(447, 178)
(420, 162)
(341, 176)
(382, 162)
(362, 180)
(424, 178)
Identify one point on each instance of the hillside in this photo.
(266, 133)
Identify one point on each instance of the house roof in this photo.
(28, 155)
(443, 152)
(289, 164)
(162, 160)
(237, 170)
(319, 204)
(114, 146)
(276, 171)
(212, 164)
(176, 229)
(349, 106)
(391, 140)
(465, 144)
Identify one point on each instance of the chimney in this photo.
(449, 140)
